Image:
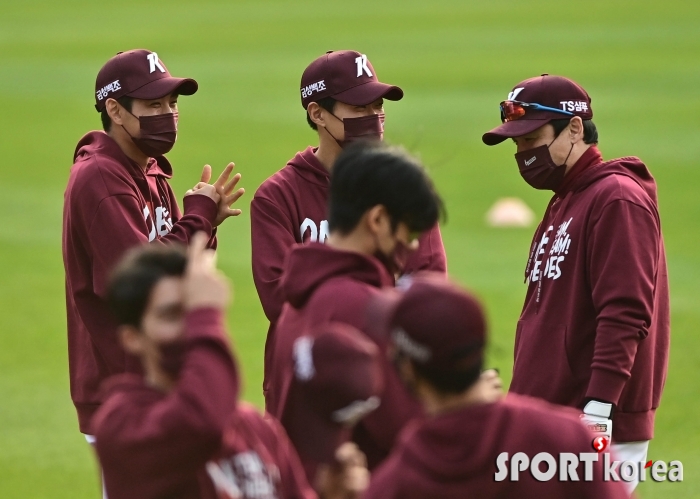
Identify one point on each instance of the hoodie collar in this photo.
(307, 165)
(589, 158)
(100, 143)
(310, 265)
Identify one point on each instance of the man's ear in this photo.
(576, 129)
(315, 114)
(131, 339)
(377, 219)
(114, 111)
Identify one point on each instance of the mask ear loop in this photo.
(340, 143)
(571, 149)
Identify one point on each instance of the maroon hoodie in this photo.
(322, 285)
(291, 207)
(153, 444)
(595, 323)
(454, 455)
(256, 460)
(111, 205)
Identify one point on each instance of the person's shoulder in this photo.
(120, 394)
(100, 175)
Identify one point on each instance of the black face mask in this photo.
(538, 168)
(157, 134)
(363, 128)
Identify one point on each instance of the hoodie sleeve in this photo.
(272, 234)
(430, 254)
(178, 433)
(623, 250)
(119, 224)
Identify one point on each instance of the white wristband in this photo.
(599, 409)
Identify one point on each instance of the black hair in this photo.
(125, 101)
(463, 371)
(135, 276)
(327, 103)
(368, 174)
(590, 132)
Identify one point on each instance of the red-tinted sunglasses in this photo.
(512, 109)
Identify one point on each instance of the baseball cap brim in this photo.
(512, 129)
(164, 86)
(366, 93)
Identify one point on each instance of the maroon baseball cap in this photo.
(348, 77)
(547, 90)
(139, 74)
(337, 381)
(434, 322)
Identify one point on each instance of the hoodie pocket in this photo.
(541, 367)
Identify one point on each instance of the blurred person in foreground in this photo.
(381, 201)
(337, 381)
(177, 430)
(118, 197)
(437, 339)
(597, 301)
(343, 101)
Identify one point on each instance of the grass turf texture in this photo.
(455, 60)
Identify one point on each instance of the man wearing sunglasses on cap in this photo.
(597, 302)
(344, 101)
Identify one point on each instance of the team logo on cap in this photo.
(154, 63)
(362, 67)
(514, 94)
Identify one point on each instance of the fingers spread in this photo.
(221, 181)
(228, 188)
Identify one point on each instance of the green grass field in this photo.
(455, 60)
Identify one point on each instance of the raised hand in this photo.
(227, 195)
(204, 188)
(204, 285)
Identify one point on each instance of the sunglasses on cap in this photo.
(512, 109)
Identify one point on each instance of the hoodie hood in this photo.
(307, 165)
(590, 168)
(313, 264)
(458, 445)
(98, 143)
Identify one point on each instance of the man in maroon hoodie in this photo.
(176, 431)
(597, 302)
(380, 202)
(463, 446)
(118, 197)
(344, 101)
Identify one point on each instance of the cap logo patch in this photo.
(410, 347)
(154, 63)
(514, 94)
(112, 87)
(356, 411)
(319, 86)
(571, 106)
(362, 67)
(303, 360)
